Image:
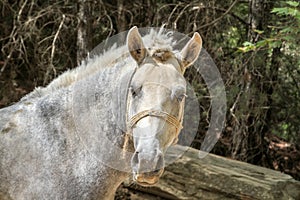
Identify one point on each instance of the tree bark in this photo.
(82, 31)
(215, 177)
(256, 18)
(121, 20)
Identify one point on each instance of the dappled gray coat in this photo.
(43, 157)
(44, 154)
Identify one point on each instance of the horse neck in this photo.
(90, 101)
(94, 120)
(95, 110)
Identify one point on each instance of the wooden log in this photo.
(215, 177)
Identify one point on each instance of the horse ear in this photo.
(135, 45)
(191, 51)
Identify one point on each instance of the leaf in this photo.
(241, 49)
(288, 38)
(287, 30)
(293, 3)
(294, 12)
(249, 47)
(258, 31)
(261, 43)
(275, 44)
(279, 11)
(247, 44)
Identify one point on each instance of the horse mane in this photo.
(154, 41)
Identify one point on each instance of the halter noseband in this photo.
(156, 113)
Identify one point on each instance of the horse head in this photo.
(155, 103)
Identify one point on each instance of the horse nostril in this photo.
(135, 158)
(142, 162)
(160, 163)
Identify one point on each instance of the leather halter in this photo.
(176, 122)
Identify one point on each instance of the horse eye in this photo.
(135, 91)
(181, 97)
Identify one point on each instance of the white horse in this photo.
(71, 140)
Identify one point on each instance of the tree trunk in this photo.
(249, 128)
(121, 20)
(215, 177)
(82, 31)
(256, 18)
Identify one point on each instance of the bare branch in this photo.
(218, 19)
(53, 51)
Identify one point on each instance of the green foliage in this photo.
(283, 131)
(283, 34)
(292, 10)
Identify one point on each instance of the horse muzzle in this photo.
(148, 178)
(147, 167)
